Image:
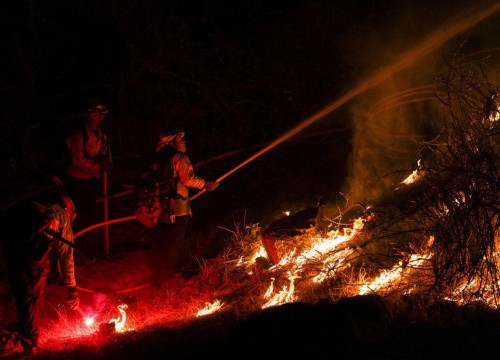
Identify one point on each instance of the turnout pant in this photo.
(170, 253)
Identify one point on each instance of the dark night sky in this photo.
(231, 73)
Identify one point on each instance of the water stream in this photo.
(434, 41)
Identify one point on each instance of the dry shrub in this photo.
(450, 215)
(461, 202)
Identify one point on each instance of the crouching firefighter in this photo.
(164, 203)
(28, 249)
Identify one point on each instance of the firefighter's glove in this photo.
(211, 185)
(73, 300)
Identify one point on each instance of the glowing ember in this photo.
(210, 308)
(287, 213)
(496, 115)
(469, 290)
(120, 322)
(414, 176)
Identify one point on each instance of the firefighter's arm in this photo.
(186, 174)
(76, 149)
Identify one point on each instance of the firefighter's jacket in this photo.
(88, 151)
(170, 177)
(184, 178)
(163, 190)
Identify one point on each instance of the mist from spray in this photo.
(431, 43)
(388, 134)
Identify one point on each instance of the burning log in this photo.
(287, 226)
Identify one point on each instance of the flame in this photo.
(495, 116)
(260, 253)
(89, 321)
(120, 321)
(286, 213)
(322, 246)
(414, 176)
(297, 262)
(389, 279)
(210, 308)
(284, 296)
(331, 264)
(270, 289)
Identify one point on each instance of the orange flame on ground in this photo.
(388, 279)
(319, 249)
(120, 321)
(284, 296)
(210, 308)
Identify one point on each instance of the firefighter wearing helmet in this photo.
(90, 156)
(168, 183)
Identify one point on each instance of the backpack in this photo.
(156, 189)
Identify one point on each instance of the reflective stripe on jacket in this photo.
(185, 178)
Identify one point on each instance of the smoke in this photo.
(387, 137)
(392, 120)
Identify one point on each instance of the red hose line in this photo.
(117, 292)
(104, 223)
(96, 226)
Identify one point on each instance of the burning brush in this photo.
(117, 324)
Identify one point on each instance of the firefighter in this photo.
(171, 175)
(28, 249)
(90, 156)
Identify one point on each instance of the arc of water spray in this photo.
(431, 43)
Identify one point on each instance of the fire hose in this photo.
(55, 235)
